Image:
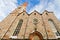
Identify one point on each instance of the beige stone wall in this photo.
(50, 34)
(6, 23)
(23, 16)
(55, 20)
(31, 27)
(50, 15)
(9, 24)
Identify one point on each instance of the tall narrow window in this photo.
(53, 27)
(18, 28)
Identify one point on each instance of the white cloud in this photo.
(6, 6)
(53, 5)
(40, 6)
(37, 8)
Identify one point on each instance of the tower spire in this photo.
(24, 6)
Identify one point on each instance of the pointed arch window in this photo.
(18, 28)
(53, 27)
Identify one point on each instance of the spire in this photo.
(21, 8)
(24, 6)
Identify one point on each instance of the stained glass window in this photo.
(18, 28)
(53, 27)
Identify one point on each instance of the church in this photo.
(19, 25)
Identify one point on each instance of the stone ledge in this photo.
(28, 39)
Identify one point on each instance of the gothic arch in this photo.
(37, 34)
(52, 24)
(53, 27)
(18, 27)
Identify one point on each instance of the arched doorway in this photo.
(36, 36)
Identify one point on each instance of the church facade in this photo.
(19, 25)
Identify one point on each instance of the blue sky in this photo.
(6, 6)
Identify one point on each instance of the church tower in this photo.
(19, 25)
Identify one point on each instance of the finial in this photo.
(25, 4)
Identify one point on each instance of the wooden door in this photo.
(36, 36)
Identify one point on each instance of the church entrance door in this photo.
(36, 36)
